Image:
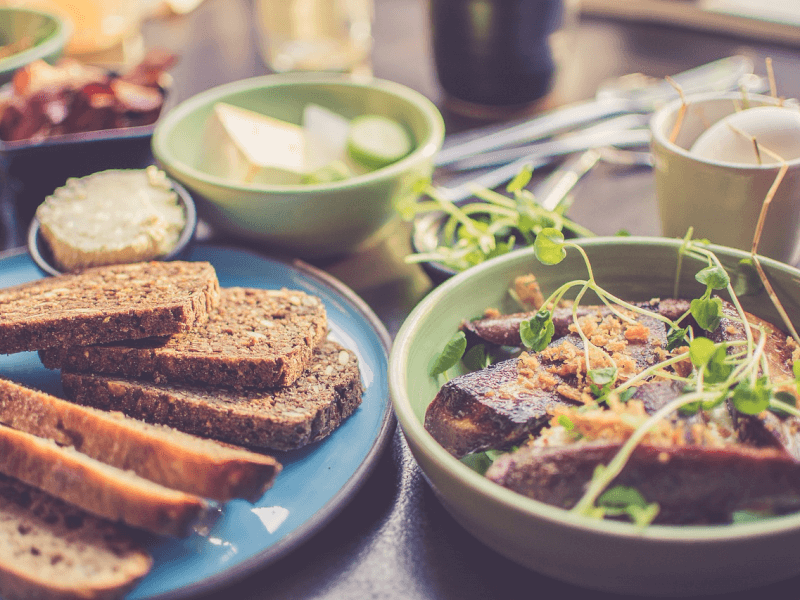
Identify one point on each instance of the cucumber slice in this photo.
(377, 141)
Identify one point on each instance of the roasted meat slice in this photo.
(493, 408)
(778, 347)
(691, 484)
(503, 330)
(503, 405)
(765, 429)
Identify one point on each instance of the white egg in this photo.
(775, 128)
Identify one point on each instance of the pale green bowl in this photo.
(611, 556)
(48, 33)
(306, 220)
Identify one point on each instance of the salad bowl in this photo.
(613, 556)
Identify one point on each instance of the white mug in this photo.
(721, 201)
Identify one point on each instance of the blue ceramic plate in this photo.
(316, 482)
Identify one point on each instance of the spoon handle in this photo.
(547, 124)
(721, 75)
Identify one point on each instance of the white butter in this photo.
(116, 216)
(246, 146)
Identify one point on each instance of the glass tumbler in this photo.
(315, 35)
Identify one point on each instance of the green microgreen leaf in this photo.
(677, 337)
(715, 278)
(779, 398)
(700, 351)
(707, 312)
(750, 516)
(478, 462)
(603, 376)
(692, 408)
(747, 281)
(451, 354)
(537, 332)
(622, 500)
(710, 357)
(751, 398)
(549, 246)
(476, 358)
(565, 422)
(717, 370)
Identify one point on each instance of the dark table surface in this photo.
(394, 540)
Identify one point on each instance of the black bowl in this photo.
(40, 251)
(426, 236)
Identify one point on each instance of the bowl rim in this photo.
(53, 43)
(35, 240)
(659, 138)
(523, 506)
(424, 150)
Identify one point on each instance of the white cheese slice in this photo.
(116, 216)
(246, 146)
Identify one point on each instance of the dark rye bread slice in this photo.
(98, 488)
(281, 419)
(161, 454)
(50, 550)
(256, 338)
(107, 304)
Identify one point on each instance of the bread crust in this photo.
(255, 339)
(281, 419)
(171, 458)
(42, 539)
(97, 488)
(107, 304)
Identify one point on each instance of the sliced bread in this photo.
(161, 454)
(107, 304)
(282, 419)
(256, 338)
(50, 550)
(96, 487)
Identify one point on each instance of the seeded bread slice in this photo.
(256, 338)
(50, 550)
(282, 419)
(161, 454)
(98, 488)
(107, 304)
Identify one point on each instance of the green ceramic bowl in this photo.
(605, 555)
(306, 220)
(47, 35)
